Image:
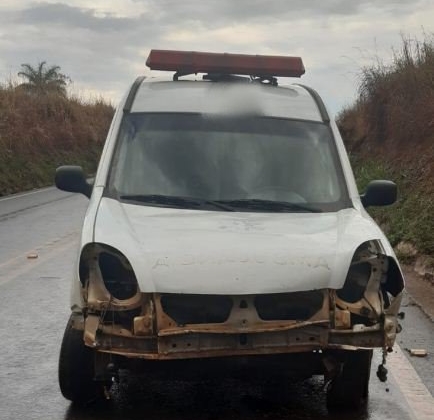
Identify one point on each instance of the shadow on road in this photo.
(207, 400)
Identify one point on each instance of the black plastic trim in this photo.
(223, 77)
(132, 94)
(319, 102)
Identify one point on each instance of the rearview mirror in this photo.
(379, 193)
(72, 179)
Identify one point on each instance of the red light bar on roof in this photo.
(189, 62)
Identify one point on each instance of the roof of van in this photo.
(231, 98)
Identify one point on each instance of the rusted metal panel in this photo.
(342, 319)
(154, 335)
(243, 318)
(355, 340)
(91, 326)
(211, 345)
(262, 327)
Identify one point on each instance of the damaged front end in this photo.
(366, 308)
(122, 320)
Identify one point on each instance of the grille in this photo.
(214, 309)
(289, 306)
(197, 309)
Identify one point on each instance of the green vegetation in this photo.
(411, 218)
(389, 133)
(41, 128)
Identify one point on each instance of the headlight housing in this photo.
(117, 275)
(361, 293)
(108, 279)
(356, 281)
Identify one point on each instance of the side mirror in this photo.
(72, 179)
(379, 193)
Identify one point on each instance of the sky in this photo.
(102, 45)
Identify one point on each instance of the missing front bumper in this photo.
(243, 333)
(192, 346)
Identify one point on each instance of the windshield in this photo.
(250, 164)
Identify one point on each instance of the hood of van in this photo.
(210, 252)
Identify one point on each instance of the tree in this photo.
(43, 79)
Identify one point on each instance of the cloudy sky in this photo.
(103, 44)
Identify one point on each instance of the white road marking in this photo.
(19, 195)
(419, 399)
(20, 265)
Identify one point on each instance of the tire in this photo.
(77, 369)
(349, 389)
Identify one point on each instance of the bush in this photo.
(411, 218)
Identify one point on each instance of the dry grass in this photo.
(391, 126)
(39, 133)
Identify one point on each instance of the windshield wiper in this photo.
(270, 205)
(178, 201)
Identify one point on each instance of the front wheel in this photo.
(77, 368)
(349, 388)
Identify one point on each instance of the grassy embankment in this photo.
(389, 133)
(39, 133)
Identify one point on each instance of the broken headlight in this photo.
(117, 275)
(356, 282)
(361, 294)
(108, 278)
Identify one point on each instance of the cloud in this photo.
(74, 17)
(217, 12)
(104, 47)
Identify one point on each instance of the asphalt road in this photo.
(34, 310)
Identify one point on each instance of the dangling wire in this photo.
(382, 370)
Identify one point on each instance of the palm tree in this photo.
(42, 79)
